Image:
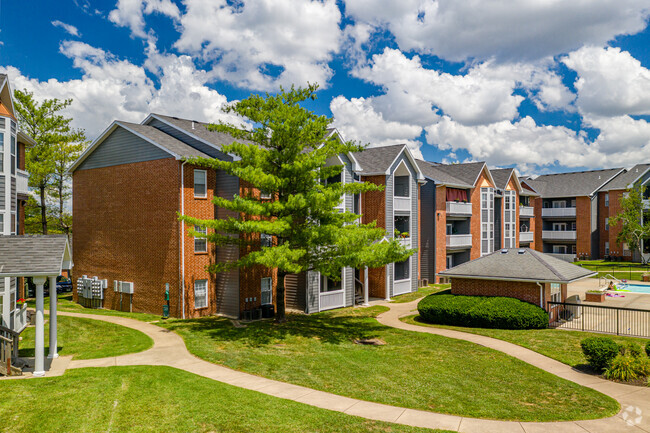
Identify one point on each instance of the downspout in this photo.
(541, 294)
(182, 241)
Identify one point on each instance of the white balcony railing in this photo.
(18, 319)
(566, 257)
(559, 235)
(459, 241)
(329, 300)
(459, 209)
(22, 182)
(526, 211)
(402, 203)
(549, 212)
(405, 242)
(526, 237)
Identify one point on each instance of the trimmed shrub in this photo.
(621, 368)
(482, 312)
(632, 349)
(599, 351)
(647, 348)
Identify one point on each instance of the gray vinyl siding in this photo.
(415, 233)
(227, 286)
(427, 232)
(349, 287)
(348, 283)
(296, 291)
(313, 291)
(187, 139)
(13, 195)
(122, 147)
(3, 190)
(390, 229)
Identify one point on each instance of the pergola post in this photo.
(365, 287)
(39, 336)
(53, 331)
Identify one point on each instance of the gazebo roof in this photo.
(34, 255)
(519, 264)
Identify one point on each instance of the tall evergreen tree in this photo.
(633, 228)
(51, 131)
(64, 153)
(286, 155)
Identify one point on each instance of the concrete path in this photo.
(169, 350)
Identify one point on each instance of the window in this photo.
(450, 229)
(356, 204)
(450, 261)
(606, 199)
(266, 240)
(559, 204)
(13, 154)
(329, 285)
(265, 195)
(402, 186)
(487, 220)
(200, 294)
(267, 291)
(559, 249)
(200, 183)
(607, 248)
(2, 224)
(2, 149)
(559, 227)
(556, 292)
(606, 223)
(509, 218)
(402, 270)
(200, 243)
(402, 225)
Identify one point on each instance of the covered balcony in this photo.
(559, 212)
(526, 237)
(459, 241)
(459, 209)
(526, 211)
(559, 235)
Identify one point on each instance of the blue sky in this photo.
(544, 87)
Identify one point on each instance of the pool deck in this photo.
(630, 299)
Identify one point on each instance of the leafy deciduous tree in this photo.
(633, 228)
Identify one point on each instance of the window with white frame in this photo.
(509, 219)
(487, 220)
(606, 248)
(329, 284)
(266, 240)
(265, 195)
(13, 154)
(559, 204)
(200, 294)
(556, 292)
(2, 149)
(450, 261)
(267, 291)
(200, 242)
(606, 223)
(606, 199)
(401, 187)
(403, 270)
(200, 183)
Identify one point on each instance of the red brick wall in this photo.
(21, 156)
(441, 229)
(373, 205)
(524, 291)
(21, 216)
(614, 209)
(196, 263)
(583, 226)
(126, 228)
(538, 224)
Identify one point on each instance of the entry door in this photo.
(559, 227)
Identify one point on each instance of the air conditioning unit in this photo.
(116, 286)
(126, 287)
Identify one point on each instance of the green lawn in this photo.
(88, 339)
(421, 293)
(65, 303)
(561, 345)
(619, 270)
(413, 370)
(161, 399)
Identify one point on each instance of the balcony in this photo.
(526, 211)
(18, 319)
(459, 241)
(559, 212)
(559, 235)
(402, 204)
(455, 208)
(406, 242)
(22, 182)
(525, 237)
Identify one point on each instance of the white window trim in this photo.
(323, 283)
(206, 294)
(202, 230)
(407, 267)
(265, 195)
(205, 177)
(267, 236)
(262, 291)
(606, 223)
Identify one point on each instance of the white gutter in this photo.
(541, 295)
(182, 231)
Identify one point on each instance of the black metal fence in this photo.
(595, 318)
(633, 271)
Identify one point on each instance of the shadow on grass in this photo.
(331, 328)
(30, 351)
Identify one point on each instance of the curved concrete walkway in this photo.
(169, 350)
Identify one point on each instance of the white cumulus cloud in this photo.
(69, 28)
(131, 13)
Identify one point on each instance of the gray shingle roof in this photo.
(576, 184)
(33, 255)
(164, 140)
(529, 266)
(623, 180)
(466, 173)
(377, 159)
(198, 129)
(440, 175)
(501, 177)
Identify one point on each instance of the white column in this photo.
(387, 283)
(39, 337)
(53, 331)
(365, 287)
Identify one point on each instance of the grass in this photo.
(421, 293)
(413, 370)
(161, 399)
(88, 339)
(620, 270)
(561, 345)
(65, 303)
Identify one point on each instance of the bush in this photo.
(599, 351)
(642, 366)
(622, 368)
(647, 348)
(482, 312)
(632, 349)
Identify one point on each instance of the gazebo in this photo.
(41, 258)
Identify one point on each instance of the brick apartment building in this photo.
(131, 184)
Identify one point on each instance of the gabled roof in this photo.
(626, 179)
(26, 256)
(6, 97)
(437, 173)
(502, 177)
(195, 129)
(575, 184)
(379, 160)
(526, 187)
(530, 265)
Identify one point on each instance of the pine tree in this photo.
(286, 155)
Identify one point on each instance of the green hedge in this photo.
(482, 312)
(599, 351)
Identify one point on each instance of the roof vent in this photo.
(522, 251)
(598, 177)
(192, 124)
(636, 171)
(504, 251)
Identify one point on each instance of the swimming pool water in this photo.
(637, 288)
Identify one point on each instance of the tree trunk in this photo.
(280, 316)
(43, 210)
(64, 228)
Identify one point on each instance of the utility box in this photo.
(126, 287)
